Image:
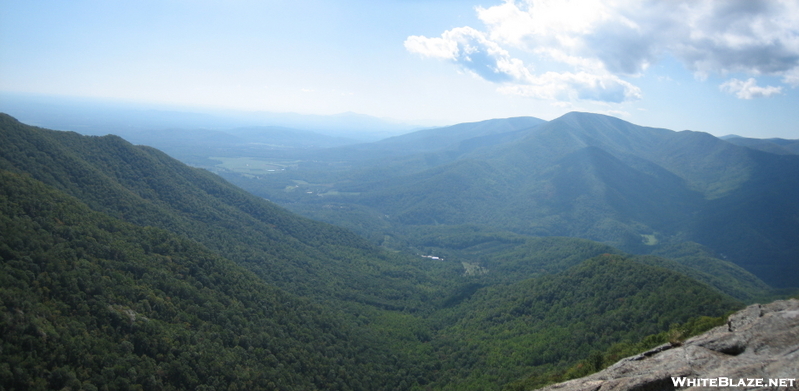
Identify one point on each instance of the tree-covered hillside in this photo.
(122, 267)
(582, 175)
(90, 302)
(506, 331)
(146, 187)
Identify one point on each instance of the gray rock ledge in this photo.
(758, 342)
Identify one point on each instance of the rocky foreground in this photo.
(758, 342)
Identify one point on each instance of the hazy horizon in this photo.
(722, 68)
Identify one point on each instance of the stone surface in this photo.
(758, 342)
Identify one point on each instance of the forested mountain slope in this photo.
(94, 226)
(537, 324)
(146, 187)
(89, 302)
(507, 258)
(580, 175)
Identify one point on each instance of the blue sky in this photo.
(722, 67)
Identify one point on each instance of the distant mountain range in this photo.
(580, 175)
(100, 117)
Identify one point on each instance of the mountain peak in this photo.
(595, 119)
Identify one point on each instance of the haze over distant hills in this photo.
(99, 117)
(580, 175)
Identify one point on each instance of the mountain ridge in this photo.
(585, 175)
(409, 310)
(150, 188)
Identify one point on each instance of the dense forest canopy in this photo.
(640, 189)
(123, 268)
(91, 301)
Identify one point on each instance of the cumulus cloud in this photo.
(477, 54)
(748, 89)
(472, 50)
(601, 41)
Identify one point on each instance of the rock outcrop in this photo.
(758, 342)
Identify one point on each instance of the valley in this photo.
(582, 175)
(496, 255)
(434, 195)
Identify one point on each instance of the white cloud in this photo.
(600, 41)
(791, 77)
(626, 36)
(569, 86)
(473, 51)
(432, 47)
(748, 89)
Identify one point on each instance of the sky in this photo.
(723, 67)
